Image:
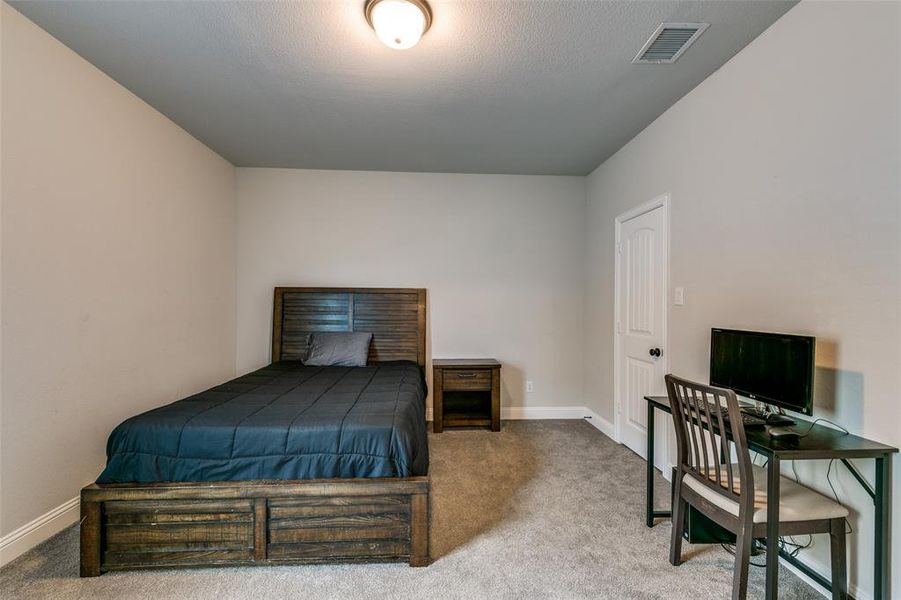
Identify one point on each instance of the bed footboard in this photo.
(135, 526)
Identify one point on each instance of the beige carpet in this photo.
(544, 509)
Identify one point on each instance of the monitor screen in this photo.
(769, 367)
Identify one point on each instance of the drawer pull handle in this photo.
(466, 375)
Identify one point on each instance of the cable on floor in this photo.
(787, 544)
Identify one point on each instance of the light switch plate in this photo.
(679, 296)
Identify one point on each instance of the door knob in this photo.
(654, 352)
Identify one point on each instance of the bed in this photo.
(287, 464)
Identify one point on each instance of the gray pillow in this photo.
(339, 349)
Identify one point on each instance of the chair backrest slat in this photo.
(700, 402)
(725, 451)
(704, 436)
(689, 417)
(710, 445)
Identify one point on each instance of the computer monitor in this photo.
(773, 368)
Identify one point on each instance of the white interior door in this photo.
(641, 324)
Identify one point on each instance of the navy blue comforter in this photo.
(285, 421)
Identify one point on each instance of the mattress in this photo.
(284, 421)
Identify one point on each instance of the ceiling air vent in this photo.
(668, 43)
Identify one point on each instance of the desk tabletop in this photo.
(817, 441)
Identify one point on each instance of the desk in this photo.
(821, 443)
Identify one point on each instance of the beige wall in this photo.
(118, 261)
(786, 215)
(501, 257)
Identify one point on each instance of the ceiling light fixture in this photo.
(398, 23)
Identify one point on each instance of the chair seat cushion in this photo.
(796, 502)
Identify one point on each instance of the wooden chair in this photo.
(734, 495)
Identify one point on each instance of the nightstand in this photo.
(467, 393)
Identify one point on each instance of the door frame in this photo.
(661, 201)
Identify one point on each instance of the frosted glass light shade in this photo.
(399, 24)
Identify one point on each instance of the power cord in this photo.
(836, 425)
(796, 548)
(850, 529)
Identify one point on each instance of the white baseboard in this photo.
(31, 534)
(599, 422)
(532, 413)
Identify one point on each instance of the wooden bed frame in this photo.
(231, 523)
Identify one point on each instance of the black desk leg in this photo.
(883, 500)
(650, 513)
(772, 529)
(650, 461)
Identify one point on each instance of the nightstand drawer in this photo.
(467, 379)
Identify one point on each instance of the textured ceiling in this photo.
(542, 87)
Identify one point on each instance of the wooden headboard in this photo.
(394, 316)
